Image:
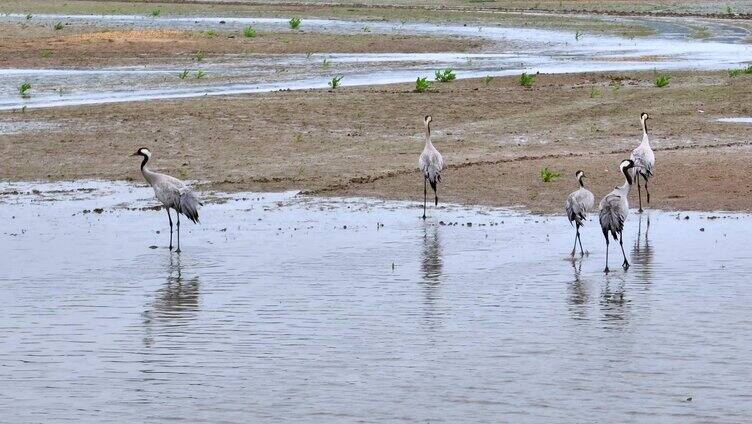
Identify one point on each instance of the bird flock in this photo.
(613, 208)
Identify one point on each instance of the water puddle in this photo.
(298, 309)
(514, 50)
(737, 120)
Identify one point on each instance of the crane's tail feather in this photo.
(433, 184)
(189, 206)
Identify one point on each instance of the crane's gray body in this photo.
(579, 203)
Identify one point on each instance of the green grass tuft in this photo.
(422, 85)
(445, 75)
(548, 175)
(295, 23)
(249, 32)
(156, 12)
(58, 26)
(662, 80)
(334, 83)
(527, 80)
(23, 89)
(183, 75)
(199, 74)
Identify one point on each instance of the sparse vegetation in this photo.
(487, 79)
(548, 175)
(23, 89)
(733, 73)
(156, 12)
(249, 32)
(527, 80)
(577, 35)
(183, 75)
(58, 26)
(366, 29)
(211, 33)
(334, 83)
(729, 10)
(594, 92)
(662, 80)
(199, 56)
(28, 16)
(295, 23)
(445, 75)
(325, 64)
(46, 53)
(422, 85)
(199, 74)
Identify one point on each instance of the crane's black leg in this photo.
(606, 270)
(639, 192)
(425, 195)
(579, 237)
(624, 265)
(576, 235)
(646, 190)
(436, 195)
(170, 218)
(178, 249)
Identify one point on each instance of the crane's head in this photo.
(579, 174)
(143, 152)
(427, 120)
(625, 166)
(644, 116)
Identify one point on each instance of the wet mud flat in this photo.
(294, 308)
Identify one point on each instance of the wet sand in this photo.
(495, 138)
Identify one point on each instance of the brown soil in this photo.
(26, 45)
(365, 141)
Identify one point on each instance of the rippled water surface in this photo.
(288, 309)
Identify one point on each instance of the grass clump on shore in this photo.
(548, 175)
(58, 26)
(156, 12)
(249, 32)
(422, 85)
(335, 82)
(737, 72)
(662, 80)
(527, 80)
(445, 75)
(295, 23)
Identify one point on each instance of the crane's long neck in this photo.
(146, 172)
(645, 138)
(627, 182)
(428, 134)
(582, 184)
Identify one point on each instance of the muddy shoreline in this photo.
(495, 138)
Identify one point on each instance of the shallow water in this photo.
(293, 309)
(514, 50)
(737, 120)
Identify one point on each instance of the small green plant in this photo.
(156, 12)
(28, 16)
(199, 74)
(211, 33)
(527, 80)
(366, 29)
(23, 89)
(662, 80)
(548, 175)
(294, 23)
(729, 10)
(23, 109)
(577, 35)
(325, 64)
(199, 56)
(422, 85)
(445, 75)
(297, 138)
(747, 70)
(733, 73)
(183, 75)
(249, 32)
(334, 83)
(58, 26)
(487, 79)
(46, 53)
(594, 93)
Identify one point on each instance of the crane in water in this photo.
(614, 209)
(644, 160)
(173, 193)
(578, 204)
(430, 163)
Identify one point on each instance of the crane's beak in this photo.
(135, 154)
